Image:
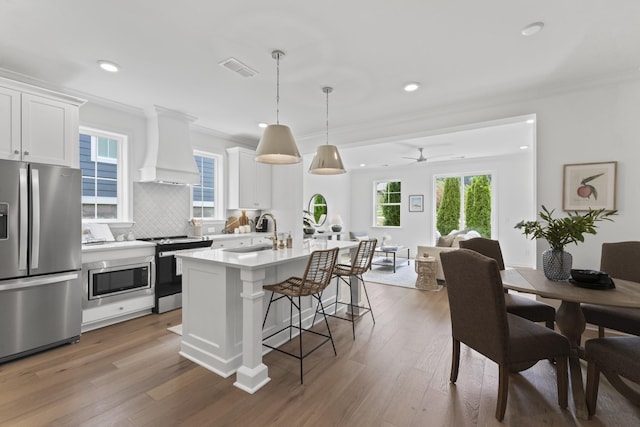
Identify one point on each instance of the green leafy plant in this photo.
(478, 205)
(448, 217)
(559, 232)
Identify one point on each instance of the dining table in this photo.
(569, 316)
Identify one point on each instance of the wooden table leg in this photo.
(570, 321)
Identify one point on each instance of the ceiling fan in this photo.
(421, 158)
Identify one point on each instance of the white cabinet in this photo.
(37, 125)
(249, 181)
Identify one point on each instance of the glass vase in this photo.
(557, 264)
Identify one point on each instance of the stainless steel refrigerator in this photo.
(40, 257)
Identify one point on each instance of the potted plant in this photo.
(559, 232)
(308, 223)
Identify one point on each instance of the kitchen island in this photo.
(223, 304)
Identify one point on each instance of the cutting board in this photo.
(100, 232)
(232, 224)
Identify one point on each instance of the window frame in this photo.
(375, 203)
(122, 161)
(218, 187)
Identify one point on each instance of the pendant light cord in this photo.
(327, 90)
(277, 87)
(327, 117)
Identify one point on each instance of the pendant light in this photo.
(327, 159)
(277, 145)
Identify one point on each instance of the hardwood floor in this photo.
(395, 373)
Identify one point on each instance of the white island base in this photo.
(223, 306)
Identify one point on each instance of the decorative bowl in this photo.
(336, 227)
(588, 276)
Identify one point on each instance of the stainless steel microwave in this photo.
(110, 281)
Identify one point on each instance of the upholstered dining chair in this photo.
(316, 277)
(360, 264)
(520, 306)
(621, 260)
(479, 320)
(615, 357)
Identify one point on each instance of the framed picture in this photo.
(416, 203)
(589, 186)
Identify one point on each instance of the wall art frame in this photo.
(589, 186)
(416, 203)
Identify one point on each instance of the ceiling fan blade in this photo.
(410, 158)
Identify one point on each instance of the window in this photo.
(102, 162)
(388, 198)
(206, 201)
(464, 202)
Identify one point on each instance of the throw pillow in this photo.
(446, 241)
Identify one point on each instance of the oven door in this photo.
(110, 280)
(169, 272)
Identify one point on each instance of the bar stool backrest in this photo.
(361, 262)
(319, 270)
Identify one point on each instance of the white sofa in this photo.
(446, 243)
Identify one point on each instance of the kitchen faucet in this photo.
(275, 229)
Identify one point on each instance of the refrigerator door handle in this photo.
(23, 283)
(35, 214)
(23, 231)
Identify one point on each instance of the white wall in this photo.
(596, 124)
(512, 200)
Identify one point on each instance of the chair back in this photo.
(486, 247)
(621, 260)
(319, 270)
(361, 261)
(476, 303)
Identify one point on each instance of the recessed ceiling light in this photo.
(362, 165)
(532, 29)
(262, 125)
(524, 147)
(530, 121)
(411, 87)
(109, 66)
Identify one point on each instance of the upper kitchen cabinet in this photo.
(37, 125)
(249, 181)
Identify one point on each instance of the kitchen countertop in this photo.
(129, 244)
(235, 236)
(263, 258)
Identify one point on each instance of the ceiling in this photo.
(463, 51)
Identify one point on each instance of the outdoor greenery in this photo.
(559, 232)
(319, 207)
(478, 206)
(448, 217)
(389, 202)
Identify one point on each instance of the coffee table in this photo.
(390, 256)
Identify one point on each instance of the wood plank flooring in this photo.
(395, 373)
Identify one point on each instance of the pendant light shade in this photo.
(277, 145)
(327, 160)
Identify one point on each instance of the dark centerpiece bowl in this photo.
(588, 276)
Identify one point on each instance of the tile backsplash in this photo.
(161, 209)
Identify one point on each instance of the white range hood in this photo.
(169, 158)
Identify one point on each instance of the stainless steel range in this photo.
(169, 269)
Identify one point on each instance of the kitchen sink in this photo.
(243, 249)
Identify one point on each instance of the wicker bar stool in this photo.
(360, 263)
(317, 275)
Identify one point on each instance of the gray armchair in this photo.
(621, 260)
(520, 306)
(479, 319)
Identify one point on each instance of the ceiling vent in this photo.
(238, 67)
